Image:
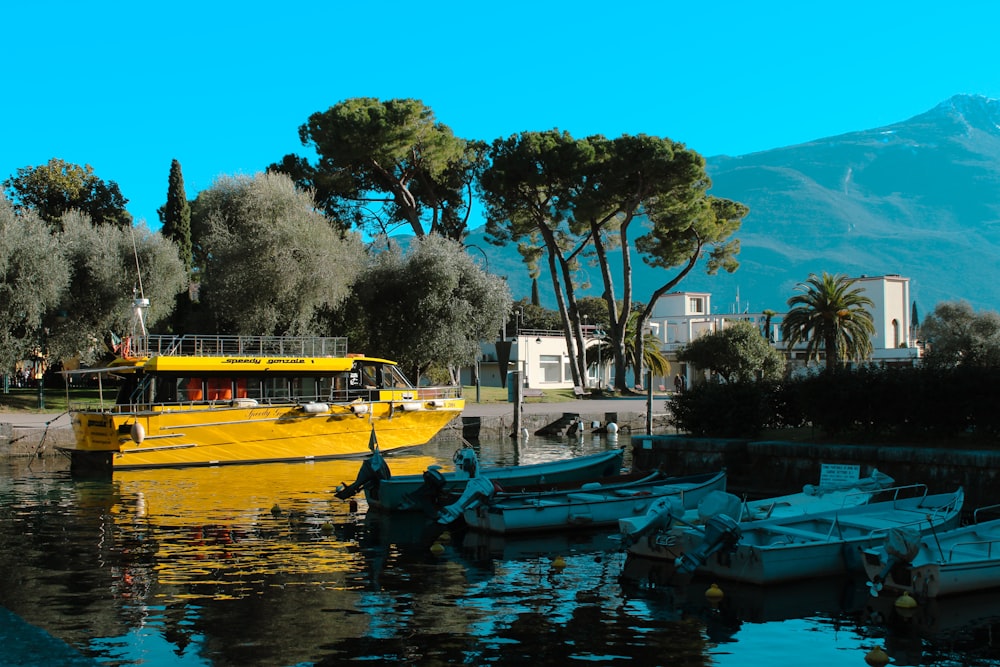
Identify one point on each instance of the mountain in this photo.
(919, 198)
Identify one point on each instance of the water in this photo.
(262, 565)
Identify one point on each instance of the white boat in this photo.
(591, 505)
(436, 488)
(812, 545)
(655, 534)
(962, 560)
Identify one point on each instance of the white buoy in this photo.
(137, 433)
(612, 428)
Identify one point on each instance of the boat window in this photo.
(307, 388)
(275, 388)
(220, 389)
(338, 387)
(395, 378)
(190, 389)
(165, 390)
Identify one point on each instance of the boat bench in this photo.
(532, 393)
(796, 532)
(586, 497)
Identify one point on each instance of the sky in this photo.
(223, 87)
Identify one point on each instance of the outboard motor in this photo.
(477, 491)
(901, 546)
(660, 515)
(466, 461)
(721, 532)
(372, 471)
(428, 496)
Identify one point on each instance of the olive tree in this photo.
(34, 278)
(109, 266)
(956, 335)
(272, 261)
(428, 306)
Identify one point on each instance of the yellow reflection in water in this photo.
(231, 532)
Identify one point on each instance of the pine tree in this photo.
(176, 215)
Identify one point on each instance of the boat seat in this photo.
(586, 497)
(795, 532)
(540, 502)
(668, 488)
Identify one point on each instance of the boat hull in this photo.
(235, 433)
(587, 507)
(394, 494)
(824, 544)
(962, 560)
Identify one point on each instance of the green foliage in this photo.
(430, 306)
(272, 262)
(738, 353)
(175, 215)
(832, 315)
(57, 187)
(33, 277)
(870, 403)
(109, 266)
(386, 163)
(720, 410)
(958, 336)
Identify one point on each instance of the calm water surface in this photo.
(262, 565)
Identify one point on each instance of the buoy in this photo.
(275, 509)
(445, 536)
(877, 657)
(612, 428)
(714, 592)
(137, 433)
(326, 528)
(559, 562)
(904, 601)
(437, 549)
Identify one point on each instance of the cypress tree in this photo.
(176, 215)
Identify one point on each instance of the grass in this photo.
(26, 400)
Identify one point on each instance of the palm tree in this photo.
(833, 315)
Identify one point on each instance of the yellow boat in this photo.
(216, 400)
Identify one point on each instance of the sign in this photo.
(838, 474)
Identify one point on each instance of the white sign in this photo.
(836, 474)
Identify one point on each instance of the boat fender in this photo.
(359, 408)
(137, 433)
(411, 407)
(436, 403)
(314, 408)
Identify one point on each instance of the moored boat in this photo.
(655, 534)
(215, 400)
(812, 545)
(962, 560)
(591, 505)
(435, 488)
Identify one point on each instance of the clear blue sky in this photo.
(223, 87)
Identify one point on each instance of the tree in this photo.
(738, 353)
(386, 163)
(272, 262)
(652, 356)
(831, 315)
(429, 306)
(110, 266)
(175, 215)
(53, 189)
(34, 277)
(957, 336)
(573, 201)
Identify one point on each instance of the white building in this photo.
(679, 318)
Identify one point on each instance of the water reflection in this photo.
(262, 565)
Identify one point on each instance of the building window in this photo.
(895, 333)
(551, 365)
(696, 304)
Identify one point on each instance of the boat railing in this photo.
(205, 345)
(973, 543)
(890, 494)
(987, 508)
